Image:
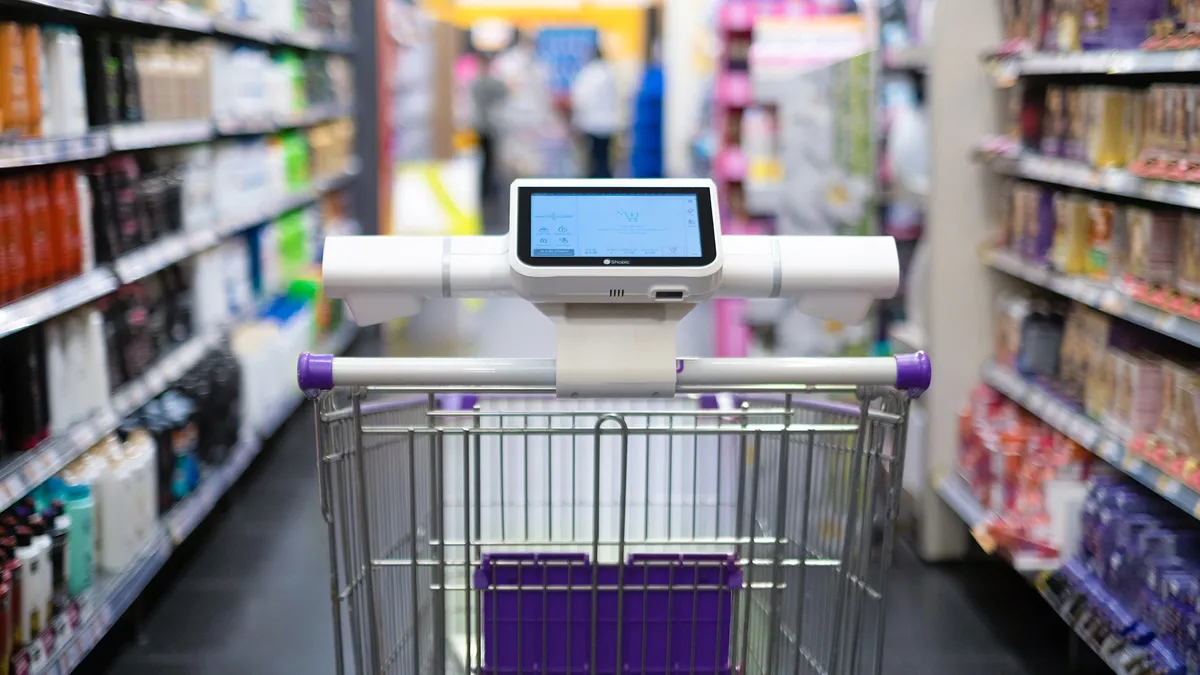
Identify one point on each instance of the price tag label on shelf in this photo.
(1152, 189)
(1167, 486)
(1113, 302)
(1188, 59)
(12, 488)
(1122, 63)
(1037, 403)
(83, 435)
(105, 422)
(203, 238)
(1132, 464)
(1058, 416)
(1166, 322)
(37, 655)
(41, 466)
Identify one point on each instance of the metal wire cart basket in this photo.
(504, 531)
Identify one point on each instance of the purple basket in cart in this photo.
(673, 612)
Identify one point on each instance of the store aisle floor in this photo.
(253, 595)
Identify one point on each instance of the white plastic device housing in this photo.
(602, 312)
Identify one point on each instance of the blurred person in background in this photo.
(488, 94)
(595, 112)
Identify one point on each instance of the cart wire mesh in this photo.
(524, 534)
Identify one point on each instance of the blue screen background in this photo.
(614, 225)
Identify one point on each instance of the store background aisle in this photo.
(252, 596)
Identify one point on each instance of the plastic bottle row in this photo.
(64, 371)
(56, 81)
(102, 509)
(322, 16)
(59, 223)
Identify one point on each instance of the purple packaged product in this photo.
(1043, 239)
(1054, 123)
(1158, 543)
(1167, 661)
(1119, 24)
(660, 631)
(1149, 599)
(1177, 591)
(1141, 540)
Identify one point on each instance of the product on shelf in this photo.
(133, 79)
(332, 147)
(1153, 132)
(23, 405)
(100, 511)
(134, 202)
(1017, 466)
(1149, 253)
(1074, 25)
(41, 231)
(143, 321)
(249, 83)
(1136, 579)
(76, 368)
(1136, 384)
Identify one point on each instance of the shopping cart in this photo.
(477, 524)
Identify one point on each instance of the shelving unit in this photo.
(42, 151)
(1101, 62)
(1092, 435)
(33, 468)
(966, 93)
(1113, 661)
(75, 632)
(1117, 182)
(138, 264)
(1101, 296)
(958, 496)
(56, 300)
(180, 17)
(103, 605)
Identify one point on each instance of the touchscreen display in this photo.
(622, 225)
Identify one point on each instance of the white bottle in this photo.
(43, 579)
(139, 461)
(59, 378)
(97, 378)
(109, 485)
(50, 121)
(75, 337)
(29, 618)
(87, 239)
(64, 57)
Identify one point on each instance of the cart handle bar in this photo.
(322, 372)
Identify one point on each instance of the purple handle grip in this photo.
(914, 372)
(314, 372)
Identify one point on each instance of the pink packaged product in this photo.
(1046, 225)
(1135, 406)
(1036, 220)
(1153, 244)
(1119, 24)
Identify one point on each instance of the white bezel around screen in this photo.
(647, 217)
